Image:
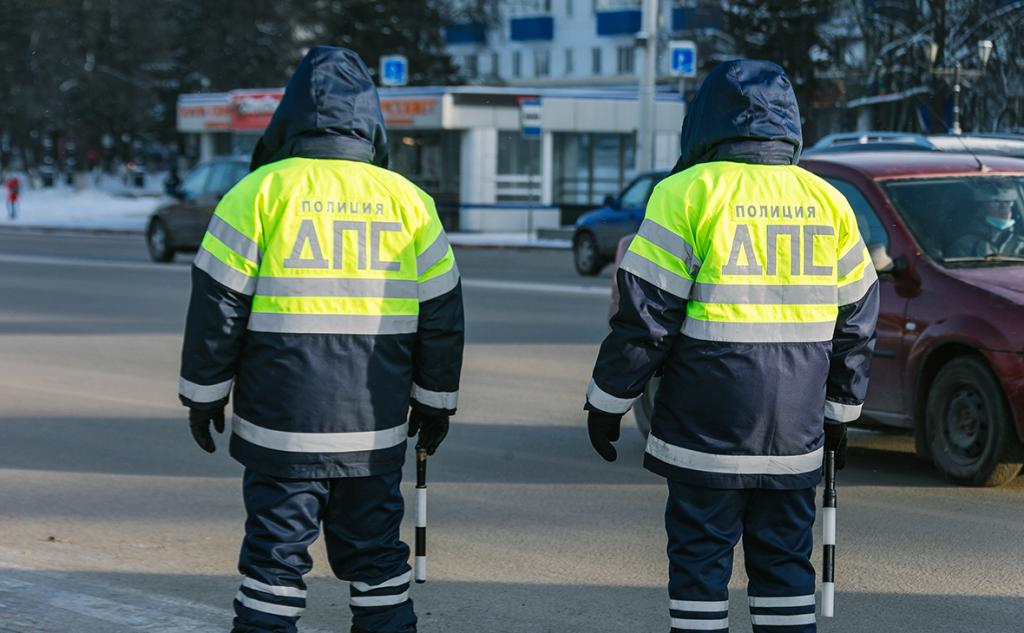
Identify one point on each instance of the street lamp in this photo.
(957, 73)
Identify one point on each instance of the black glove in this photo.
(835, 440)
(199, 422)
(431, 428)
(604, 429)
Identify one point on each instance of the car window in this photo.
(871, 228)
(238, 171)
(220, 181)
(636, 195)
(195, 182)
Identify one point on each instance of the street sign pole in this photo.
(531, 124)
(647, 39)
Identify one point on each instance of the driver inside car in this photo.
(991, 229)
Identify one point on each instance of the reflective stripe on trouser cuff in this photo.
(783, 601)
(702, 606)
(224, 274)
(607, 402)
(318, 442)
(796, 294)
(853, 258)
(688, 624)
(378, 601)
(855, 291)
(286, 323)
(433, 255)
(275, 590)
(437, 286)
(204, 393)
(436, 399)
(654, 274)
(234, 239)
(397, 581)
(742, 332)
(733, 464)
(669, 241)
(268, 607)
(337, 287)
(842, 412)
(782, 620)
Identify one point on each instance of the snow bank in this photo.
(86, 209)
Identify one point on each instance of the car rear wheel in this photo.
(586, 255)
(970, 433)
(158, 242)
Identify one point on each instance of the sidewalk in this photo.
(63, 210)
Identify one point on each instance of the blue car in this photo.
(598, 232)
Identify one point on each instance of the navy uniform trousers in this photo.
(705, 524)
(361, 517)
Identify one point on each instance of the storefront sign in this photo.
(202, 113)
(412, 112)
(253, 108)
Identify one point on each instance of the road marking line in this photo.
(486, 284)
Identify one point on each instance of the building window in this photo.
(517, 64)
(625, 58)
(470, 66)
(595, 61)
(541, 63)
(568, 62)
(495, 65)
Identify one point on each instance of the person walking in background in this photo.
(13, 190)
(326, 292)
(749, 288)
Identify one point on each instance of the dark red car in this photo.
(949, 360)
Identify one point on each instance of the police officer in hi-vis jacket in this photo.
(326, 296)
(749, 289)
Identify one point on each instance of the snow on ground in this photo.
(66, 208)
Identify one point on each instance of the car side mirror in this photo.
(886, 267)
(611, 202)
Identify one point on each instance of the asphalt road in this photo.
(112, 520)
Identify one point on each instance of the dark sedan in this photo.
(179, 223)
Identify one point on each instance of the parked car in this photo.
(949, 358)
(598, 232)
(179, 223)
(1001, 144)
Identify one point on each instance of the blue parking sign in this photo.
(684, 58)
(394, 70)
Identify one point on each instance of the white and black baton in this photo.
(421, 515)
(828, 512)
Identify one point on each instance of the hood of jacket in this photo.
(330, 109)
(744, 107)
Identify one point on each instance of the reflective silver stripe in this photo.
(787, 601)
(669, 241)
(652, 273)
(397, 581)
(437, 286)
(436, 399)
(276, 590)
(700, 625)
(855, 291)
(852, 259)
(318, 442)
(760, 294)
(204, 393)
(378, 601)
(733, 464)
(332, 323)
(607, 402)
(742, 332)
(235, 239)
(267, 607)
(842, 412)
(336, 287)
(703, 606)
(433, 255)
(230, 277)
(782, 620)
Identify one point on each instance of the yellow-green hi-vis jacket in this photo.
(750, 288)
(326, 292)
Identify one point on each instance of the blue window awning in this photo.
(465, 33)
(541, 27)
(621, 22)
